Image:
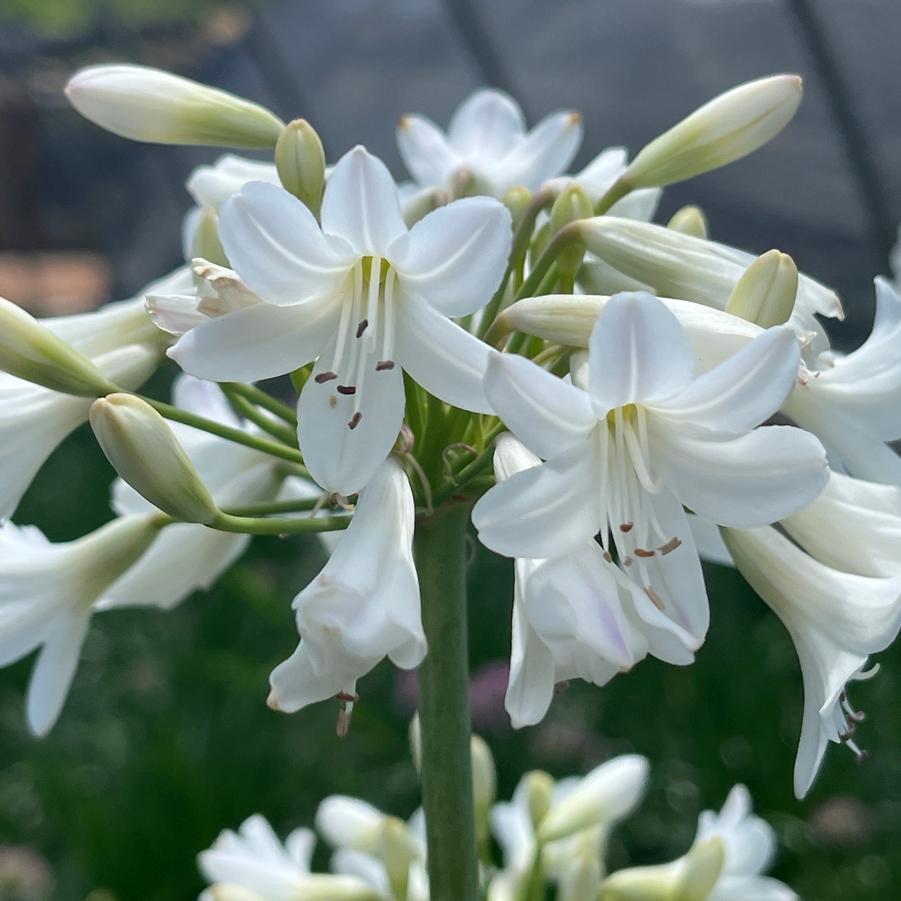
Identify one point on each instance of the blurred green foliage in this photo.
(166, 738)
(65, 17)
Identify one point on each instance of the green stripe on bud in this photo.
(300, 161)
(766, 293)
(146, 104)
(723, 130)
(32, 352)
(144, 451)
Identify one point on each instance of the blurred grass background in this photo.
(166, 738)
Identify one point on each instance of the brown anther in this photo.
(849, 732)
(608, 556)
(863, 756)
(342, 726)
(644, 552)
(382, 365)
(347, 389)
(324, 377)
(627, 561)
(354, 420)
(362, 327)
(656, 600)
(670, 546)
(346, 697)
(626, 526)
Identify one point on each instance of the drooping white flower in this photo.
(730, 852)
(487, 141)
(124, 345)
(48, 593)
(573, 617)
(252, 863)
(836, 621)
(635, 438)
(363, 606)
(363, 296)
(853, 402)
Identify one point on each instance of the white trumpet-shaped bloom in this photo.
(487, 142)
(573, 617)
(48, 593)
(363, 296)
(634, 439)
(836, 620)
(363, 606)
(253, 864)
(853, 402)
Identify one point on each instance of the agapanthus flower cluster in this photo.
(613, 398)
(552, 835)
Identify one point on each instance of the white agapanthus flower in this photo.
(573, 617)
(48, 593)
(363, 296)
(119, 339)
(635, 438)
(853, 401)
(836, 621)
(253, 865)
(731, 850)
(363, 606)
(487, 141)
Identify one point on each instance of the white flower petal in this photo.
(211, 186)
(545, 152)
(341, 458)
(486, 125)
(638, 353)
(276, 246)
(542, 512)
(445, 359)
(174, 313)
(743, 391)
(455, 256)
(752, 480)
(258, 342)
(361, 204)
(547, 414)
(425, 151)
(55, 667)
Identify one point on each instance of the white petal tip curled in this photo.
(272, 703)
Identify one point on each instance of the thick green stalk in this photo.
(444, 707)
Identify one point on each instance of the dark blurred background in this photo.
(166, 737)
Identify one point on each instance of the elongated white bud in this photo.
(539, 789)
(484, 780)
(766, 293)
(205, 243)
(580, 879)
(517, 201)
(300, 161)
(571, 205)
(723, 130)
(690, 220)
(32, 352)
(144, 451)
(147, 104)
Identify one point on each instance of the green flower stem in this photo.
(440, 549)
(246, 408)
(619, 189)
(470, 471)
(260, 398)
(298, 505)
(566, 237)
(265, 445)
(541, 199)
(251, 525)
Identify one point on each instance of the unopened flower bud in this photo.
(147, 104)
(205, 243)
(517, 201)
(641, 884)
(765, 294)
(701, 869)
(690, 220)
(604, 796)
(571, 205)
(423, 203)
(33, 353)
(416, 743)
(397, 850)
(484, 778)
(144, 451)
(539, 788)
(350, 823)
(300, 161)
(723, 130)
